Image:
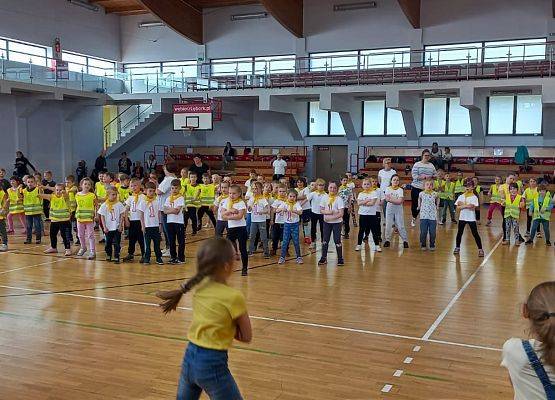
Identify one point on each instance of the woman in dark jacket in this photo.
(21, 164)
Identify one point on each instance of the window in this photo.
(143, 68)
(25, 53)
(322, 122)
(75, 63)
(514, 115)
(445, 116)
(383, 58)
(274, 65)
(378, 120)
(100, 67)
(519, 50)
(337, 61)
(3, 53)
(187, 69)
(453, 54)
(232, 66)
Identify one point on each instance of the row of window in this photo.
(39, 55)
(507, 115)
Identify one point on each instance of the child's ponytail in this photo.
(540, 310)
(212, 255)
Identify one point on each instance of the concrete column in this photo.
(410, 106)
(475, 100)
(288, 105)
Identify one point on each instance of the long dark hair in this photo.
(212, 255)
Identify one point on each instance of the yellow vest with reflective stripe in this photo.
(530, 194)
(3, 198)
(100, 190)
(85, 207)
(72, 203)
(59, 209)
(459, 186)
(16, 204)
(123, 193)
(207, 194)
(32, 203)
(512, 208)
(495, 196)
(543, 211)
(448, 191)
(191, 193)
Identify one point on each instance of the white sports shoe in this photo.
(358, 247)
(91, 256)
(413, 222)
(3, 247)
(166, 253)
(378, 249)
(81, 252)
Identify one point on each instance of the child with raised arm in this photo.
(219, 315)
(136, 235)
(173, 208)
(466, 203)
(60, 218)
(149, 214)
(292, 210)
(112, 213)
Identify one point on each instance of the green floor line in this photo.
(428, 377)
(119, 330)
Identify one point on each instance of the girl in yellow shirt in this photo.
(16, 204)
(219, 316)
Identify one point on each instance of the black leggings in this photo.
(136, 237)
(414, 193)
(473, 229)
(205, 210)
(240, 234)
(221, 226)
(191, 214)
(64, 227)
(316, 219)
(277, 235)
(367, 224)
(346, 221)
(334, 228)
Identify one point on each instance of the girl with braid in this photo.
(219, 316)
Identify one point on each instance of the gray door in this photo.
(330, 162)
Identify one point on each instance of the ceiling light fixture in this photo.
(151, 24)
(241, 17)
(85, 4)
(354, 6)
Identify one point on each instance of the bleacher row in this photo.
(514, 69)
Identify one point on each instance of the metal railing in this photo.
(125, 122)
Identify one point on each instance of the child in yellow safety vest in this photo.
(16, 204)
(60, 216)
(446, 194)
(72, 189)
(459, 184)
(541, 213)
(191, 192)
(32, 206)
(495, 199)
(513, 203)
(207, 197)
(85, 215)
(530, 193)
(4, 207)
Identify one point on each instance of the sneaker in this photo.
(440, 223)
(81, 252)
(457, 250)
(144, 261)
(432, 248)
(181, 261)
(505, 242)
(27, 241)
(67, 253)
(358, 247)
(340, 262)
(519, 242)
(141, 260)
(166, 253)
(539, 235)
(528, 242)
(480, 253)
(299, 260)
(378, 249)
(4, 247)
(423, 247)
(91, 256)
(37, 241)
(413, 222)
(266, 255)
(244, 272)
(173, 261)
(405, 245)
(50, 250)
(159, 261)
(488, 223)
(386, 243)
(251, 253)
(281, 260)
(116, 260)
(322, 261)
(547, 243)
(128, 258)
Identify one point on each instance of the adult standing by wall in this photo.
(436, 156)
(151, 164)
(228, 155)
(99, 165)
(138, 170)
(384, 179)
(21, 165)
(199, 167)
(280, 166)
(124, 164)
(421, 171)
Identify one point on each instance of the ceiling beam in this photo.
(178, 15)
(411, 8)
(288, 13)
(122, 8)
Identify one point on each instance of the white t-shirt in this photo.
(280, 216)
(133, 207)
(526, 384)
(467, 214)
(398, 193)
(112, 218)
(279, 167)
(305, 204)
(257, 210)
(248, 184)
(165, 187)
(151, 212)
(220, 204)
(368, 210)
(175, 218)
(336, 206)
(235, 223)
(290, 217)
(315, 199)
(385, 177)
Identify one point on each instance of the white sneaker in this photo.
(91, 256)
(81, 252)
(3, 247)
(378, 249)
(166, 253)
(440, 223)
(358, 247)
(50, 250)
(413, 222)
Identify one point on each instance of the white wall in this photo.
(80, 30)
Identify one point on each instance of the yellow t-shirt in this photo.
(215, 308)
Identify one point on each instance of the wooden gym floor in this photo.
(403, 324)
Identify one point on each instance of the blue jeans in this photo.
(206, 370)
(428, 226)
(248, 220)
(35, 220)
(290, 232)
